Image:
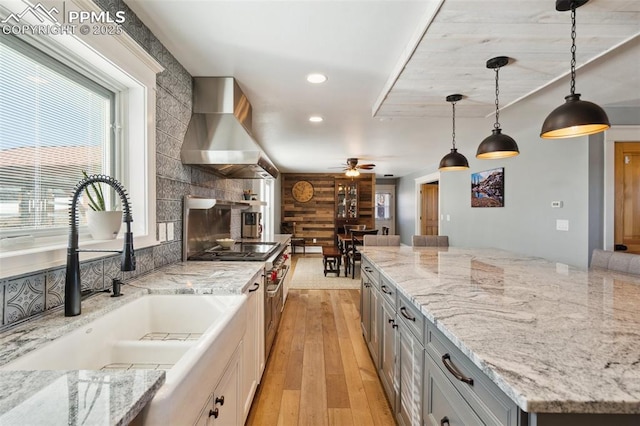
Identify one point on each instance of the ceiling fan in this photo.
(352, 167)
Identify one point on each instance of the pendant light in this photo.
(497, 145)
(575, 117)
(453, 160)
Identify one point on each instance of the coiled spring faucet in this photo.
(72, 285)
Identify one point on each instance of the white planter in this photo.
(104, 225)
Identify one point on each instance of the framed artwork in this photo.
(487, 188)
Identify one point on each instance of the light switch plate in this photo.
(562, 225)
(556, 204)
(162, 232)
(170, 231)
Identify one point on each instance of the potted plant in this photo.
(246, 194)
(103, 224)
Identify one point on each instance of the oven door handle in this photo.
(272, 293)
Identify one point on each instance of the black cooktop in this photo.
(240, 251)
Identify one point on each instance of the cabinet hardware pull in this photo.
(445, 421)
(394, 325)
(366, 268)
(214, 413)
(384, 289)
(404, 313)
(446, 360)
(254, 289)
(220, 400)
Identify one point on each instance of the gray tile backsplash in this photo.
(23, 297)
(32, 293)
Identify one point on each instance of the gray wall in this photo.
(569, 170)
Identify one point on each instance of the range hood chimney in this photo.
(219, 133)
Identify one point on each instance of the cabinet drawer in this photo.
(411, 316)
(371, 272)
(388, 291)
(484, 396)
(443, 405)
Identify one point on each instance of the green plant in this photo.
(96, 204)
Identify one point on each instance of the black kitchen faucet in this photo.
(72, 284)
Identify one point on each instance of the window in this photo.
(120, 64)
(54, 123)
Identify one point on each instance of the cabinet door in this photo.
(374, 327)
(250, 365)
(387, 361)
(443, 405)
(227, 408)
(365, 306)
(410, 368)
(346, 199)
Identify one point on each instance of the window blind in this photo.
(54, 123)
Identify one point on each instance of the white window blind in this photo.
(54, 123)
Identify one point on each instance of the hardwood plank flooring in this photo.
(320, 371)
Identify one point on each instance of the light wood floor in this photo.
(319, 371)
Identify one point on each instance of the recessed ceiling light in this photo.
(316, 78)
(316, 119)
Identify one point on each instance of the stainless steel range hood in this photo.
(219, 133)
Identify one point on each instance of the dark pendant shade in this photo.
(574, 118)
(497, 145)
(453, 161)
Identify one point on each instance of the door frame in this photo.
(613, 135)
(391, 188)
(432, 177)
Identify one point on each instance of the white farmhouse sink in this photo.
(200, 333)
(131, 335)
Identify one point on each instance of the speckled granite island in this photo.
(553, 338)
(65, 397)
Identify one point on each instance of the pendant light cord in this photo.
(453, 134)
(573, 48)
(497, 123)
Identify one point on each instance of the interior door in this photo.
(385, 209)
(429, 210)
(627, 195)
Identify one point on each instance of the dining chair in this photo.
(381, 240)
(352, 254)
(430, 241)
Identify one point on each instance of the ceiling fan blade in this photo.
(366, 166)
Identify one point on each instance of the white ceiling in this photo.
(390, 66)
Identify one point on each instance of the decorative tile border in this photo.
(54, 285)
(23, 297)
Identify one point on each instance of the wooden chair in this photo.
(430, 241)
(286, 228)
(352, 254)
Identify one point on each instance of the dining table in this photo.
(344, 241)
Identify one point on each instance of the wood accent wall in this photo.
(316, 218)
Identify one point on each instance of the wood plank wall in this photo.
(316, 218)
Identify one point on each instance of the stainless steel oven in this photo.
(206, 220)
(274, 297)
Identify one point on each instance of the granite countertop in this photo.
(101, 397)
(554, 338)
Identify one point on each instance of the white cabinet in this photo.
(253, 359)
(409, 364)
(223, 408)
(227, 406)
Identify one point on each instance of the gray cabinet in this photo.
(369, 315)
(409, 361)
(387, 364)
(443, 405)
